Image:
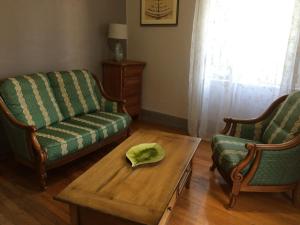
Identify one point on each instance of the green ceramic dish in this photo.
(145, 153)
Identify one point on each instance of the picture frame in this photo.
(159, 12)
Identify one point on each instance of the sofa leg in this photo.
(296, 195)
(41, 171)
(42, 181)
(129, 132)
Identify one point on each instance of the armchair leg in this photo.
(234, 195)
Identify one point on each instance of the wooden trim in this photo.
(279, 147)
(268, 188)
(227, 127)
(262, 117)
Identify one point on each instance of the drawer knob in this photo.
(169, 208)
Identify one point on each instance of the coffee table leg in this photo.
(188, 182)
(74, 215)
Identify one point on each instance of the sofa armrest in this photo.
(252, 128)
(13, 120)
(21, 136)
(109, 103)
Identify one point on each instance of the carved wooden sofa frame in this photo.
(40, 155)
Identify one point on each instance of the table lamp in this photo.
(118, 32)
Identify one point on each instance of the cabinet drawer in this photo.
(168, 211)
(132, 101)
(131, 91)
(133, 71)
(131, 81)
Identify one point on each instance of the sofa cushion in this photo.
(230, 151)
(76, 92)
(286, 123)
(73, 134)
(31, 100)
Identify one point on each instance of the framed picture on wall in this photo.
(159, 12)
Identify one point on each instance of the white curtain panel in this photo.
(240, 51)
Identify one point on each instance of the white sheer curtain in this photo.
(240, 51)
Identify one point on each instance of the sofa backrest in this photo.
(286, 123)
(31, 100)
(76, 92)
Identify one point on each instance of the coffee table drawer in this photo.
(168, 211)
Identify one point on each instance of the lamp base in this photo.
(118, 52)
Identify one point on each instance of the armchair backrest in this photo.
(76, 92)
(286, 123)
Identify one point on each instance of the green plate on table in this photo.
(145, 153)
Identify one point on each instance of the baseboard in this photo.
(164, 119)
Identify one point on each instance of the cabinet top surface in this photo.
(139, 194)
(123, 63)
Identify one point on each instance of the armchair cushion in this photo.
(286, 123)
(76, 92)
(31, 100)
(73, 134)
(229, 151)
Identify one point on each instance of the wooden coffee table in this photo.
(112, 192)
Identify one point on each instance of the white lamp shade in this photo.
(117, 31)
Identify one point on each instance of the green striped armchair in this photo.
(51, 119)
(262, 154)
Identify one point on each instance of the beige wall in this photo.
(166, 51)
(47, 35)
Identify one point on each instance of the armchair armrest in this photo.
(251, 128)
(294, 142)
(262, 158)
(109, 103)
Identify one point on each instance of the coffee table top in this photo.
(139, 194)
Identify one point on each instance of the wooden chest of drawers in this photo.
(123, 80)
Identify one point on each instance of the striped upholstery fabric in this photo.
(229, 151)
(31, 100)
(73, 134)
(254, 131)
(108, 106)
(278, 167)
(286, 123)
(76, 92)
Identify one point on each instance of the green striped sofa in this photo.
(262, 154)
(53, 118)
